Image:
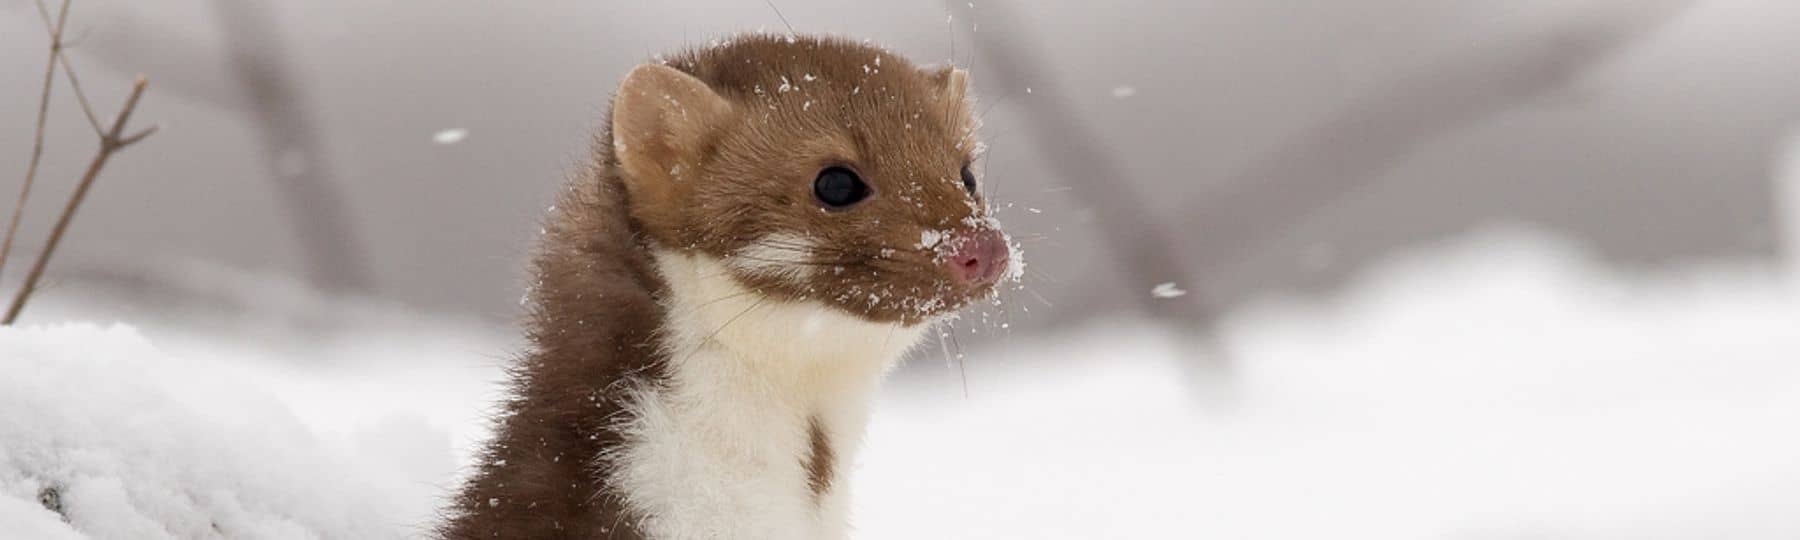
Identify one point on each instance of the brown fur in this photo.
(905, 131)
(715, 177)
(591, 328)
(820, 462)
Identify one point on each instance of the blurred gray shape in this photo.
(1230, 224)
(291, 148)
(1137, 243)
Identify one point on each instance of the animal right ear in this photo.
(660, 118)
(952, 86)
(952, 82)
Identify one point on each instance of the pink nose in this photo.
(980, 259)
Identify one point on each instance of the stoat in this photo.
(766, 226)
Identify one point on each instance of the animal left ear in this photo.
(660, 117)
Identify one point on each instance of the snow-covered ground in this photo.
(1497, 387)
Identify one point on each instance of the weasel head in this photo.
(817, 170)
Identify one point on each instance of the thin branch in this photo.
(118, 127)
(134, 138)
(110, 143)
(44, 14)
(80, 95)
(37, 145)
(61, 45)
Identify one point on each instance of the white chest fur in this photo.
(721, 449)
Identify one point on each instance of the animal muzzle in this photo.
(980, 259)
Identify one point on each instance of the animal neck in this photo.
(762, 407)
(802, 349)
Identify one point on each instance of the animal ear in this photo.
(660, 117)
(952, 82)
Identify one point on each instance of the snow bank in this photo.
(139, 444)
(1503, 387)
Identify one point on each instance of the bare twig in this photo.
(63, 45)
(80, 96)
(111, 143)
(37, 145)
(135, 137)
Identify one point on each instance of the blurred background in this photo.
(1267, 146)
(1412, 205)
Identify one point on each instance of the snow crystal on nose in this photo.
(1015, 262)
(931, 238)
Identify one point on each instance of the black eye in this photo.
(968, 179)
(837, 187)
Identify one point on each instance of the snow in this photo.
(143, 445)
(1167, 290)
(1501, 386)
(1503, 389)
(450, 136)
(930, 238)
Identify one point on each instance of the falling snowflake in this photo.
(450, 136)
(1122, 92)
(1168, 290)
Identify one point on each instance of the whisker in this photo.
(1000, 303)
(792, 246)
(728, 322)
(797, 261)
(842, 254)
(973, 42)
(1034, 273)
(987, 163)
(696, 309)
(800, 249)
(982, 116)
(1034, 241)
(946, 327)
(778, 15)
(723, 272)
(950, 25)
(962, 364)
